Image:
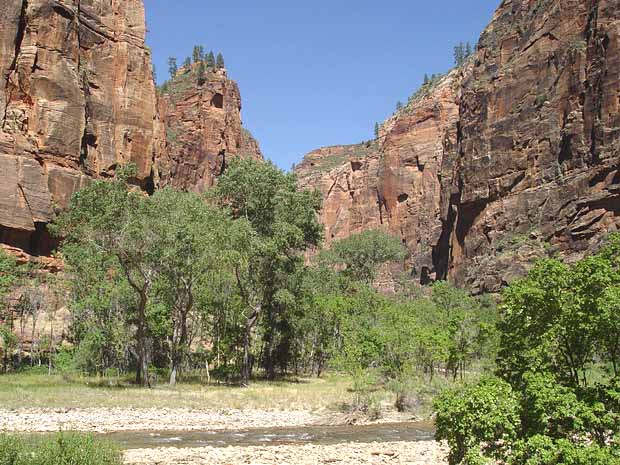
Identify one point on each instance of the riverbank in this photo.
(107, 420)
(411, 453)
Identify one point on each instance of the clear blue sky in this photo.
(320, 72)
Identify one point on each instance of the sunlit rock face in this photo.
(511, 158)
(77, 100)
(203, 129)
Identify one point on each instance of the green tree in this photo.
(219, 63)
(399, 105)
(172, 67)
(210, 60)
(202, 73)
(187, 64)
(276, 222)
(198, 53)
(377, 129)
(193, 243)
(360, 254)
(108, 222)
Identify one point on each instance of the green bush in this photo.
(485, 413)
(61, 449)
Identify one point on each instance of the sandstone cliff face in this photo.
(77, 99)
(203, 129)
(509, 159)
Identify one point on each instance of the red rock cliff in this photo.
(203, 129)
(77, 99)
(511, 158)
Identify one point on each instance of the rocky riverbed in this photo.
(412, 453)
(104, 420)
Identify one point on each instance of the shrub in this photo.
(61, 449)
(481, 415)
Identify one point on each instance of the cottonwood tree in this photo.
(109, 224)
(278, 223)
(360, 254)
(193, 246)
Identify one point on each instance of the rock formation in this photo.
(77, 100)
(511, 157)
(203, 129)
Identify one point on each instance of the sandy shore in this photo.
(413, 453)
(105, 420)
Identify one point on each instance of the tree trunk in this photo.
(246, 366)
(142, 372)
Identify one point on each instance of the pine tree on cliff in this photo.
(199, 53)
(211, 60)
(376, 130)
(458, 54)
(202, 73)
(172, 67)
(426, 79)
(399, 105)
(468, 50)
(187, 64)
(220, 61)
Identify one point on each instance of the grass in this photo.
(35, 389)
(57, 449)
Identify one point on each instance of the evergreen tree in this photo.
(210, 60)
(198, 53)
(399, 105)
(426, 79)
(172, 67)
(187, 64)
(202, 72)
(377, 130)
(220, 61)
(468, 50)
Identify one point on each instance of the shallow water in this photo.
(419, 431)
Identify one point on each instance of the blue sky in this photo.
(321, 72)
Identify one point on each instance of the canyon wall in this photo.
(512, 157)
(78, 100)
(203, 129)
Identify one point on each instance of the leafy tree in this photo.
(108, 222)
(478, 420)
(192, 241)
(220, 61)
(361, 254)
(172, 67)
(276, 222)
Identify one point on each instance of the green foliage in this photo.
(558, 323)
(172, 67)
(9, 274)
(210, 59)
(61, 449)
(485, 413)
(219, 62)
(360, 254)
(461, 53)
